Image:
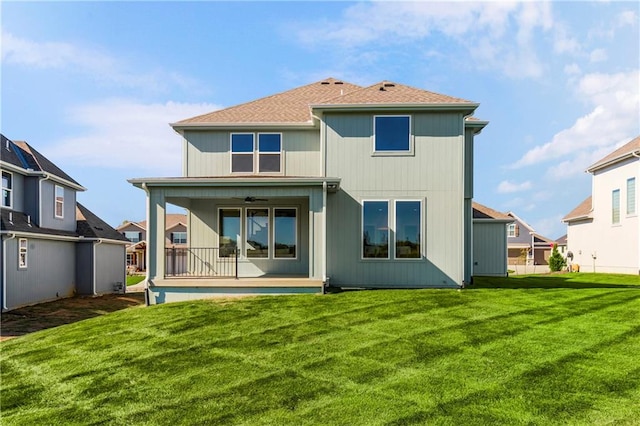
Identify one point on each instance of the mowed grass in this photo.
(520, 350)
(134, 279)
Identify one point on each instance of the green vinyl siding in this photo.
(433, 173)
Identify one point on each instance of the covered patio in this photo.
(246, 235)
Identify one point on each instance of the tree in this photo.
(556, 261)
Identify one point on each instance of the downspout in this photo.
(46, 177)
(637, 155)
(146, 252)
(95, 275)
(4, 270)
(324, 235)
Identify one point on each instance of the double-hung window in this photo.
(615, 206)
(179, 237)
(242, 147)
(407, 229)
(269, 152)
(7, 189)
(59, 202)
(375, 229)
(631, 196)
(23, 248)
(247, 156)
(392, 134)
(512, 230)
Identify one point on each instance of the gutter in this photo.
(46, 177)
(324, 234)
(95, 275)
(4, 270)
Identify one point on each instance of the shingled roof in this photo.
(23, 155)
(625, 151)
(91, 226)
(583, 211)
(294, 106)
(291, 106)
(483, 212)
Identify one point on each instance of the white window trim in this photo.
(178, 232)
(407, 153)
(258, 153)
(361, 231)
(635, 205)
(269, 239)
(273, 248)
(55, 202)
(26, 253)
(509, 227)
(252, 153)
(240, 243)
(11, 182)
(395, 233)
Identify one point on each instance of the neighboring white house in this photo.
(603, 233)
(328, 184)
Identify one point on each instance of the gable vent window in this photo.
(7, 189)
(392, 135)
(59, 202)
(132, 236)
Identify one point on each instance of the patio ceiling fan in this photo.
(250, 200)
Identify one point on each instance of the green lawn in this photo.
(535, 350)
(134, 279)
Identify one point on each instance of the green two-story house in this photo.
(328, 184)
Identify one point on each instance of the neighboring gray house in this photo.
(51, 245)
(328, 184)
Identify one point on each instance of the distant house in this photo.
(489, 241)
(136, 233)
(603, 232)
(328, 184)
(562, 245)
(52, 246)
(525, 245)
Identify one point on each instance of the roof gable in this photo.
(483, 212)
(625, 151)
(582, 211)
(171, 220)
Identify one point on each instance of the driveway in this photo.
(26, 320)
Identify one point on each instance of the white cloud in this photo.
(486, 30)
(628, 17)
(90, 61)
(572, 69)
(598, 55)
(506, 186)
(127, 134)
(615, 101)
(550, 227)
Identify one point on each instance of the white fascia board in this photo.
(38, 173)
(179, 127)
(40, 236)
(409, 106)
(596, 167)
(231, 182)
(478, 220)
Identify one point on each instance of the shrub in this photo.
(556, 261)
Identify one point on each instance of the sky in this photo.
(94, 85)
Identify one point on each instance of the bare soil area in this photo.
(64, 311)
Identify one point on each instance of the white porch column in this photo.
(155, 233)
(317, 250)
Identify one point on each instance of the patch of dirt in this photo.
(21, 321)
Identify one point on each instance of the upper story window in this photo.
(7, 189)
(247, 156)
(631, 196)
(269, 152)
(132, 236)
(512, 230)
(615, 206)
(392, 134)
(242, 147)
(59, 202)
(179, 237)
